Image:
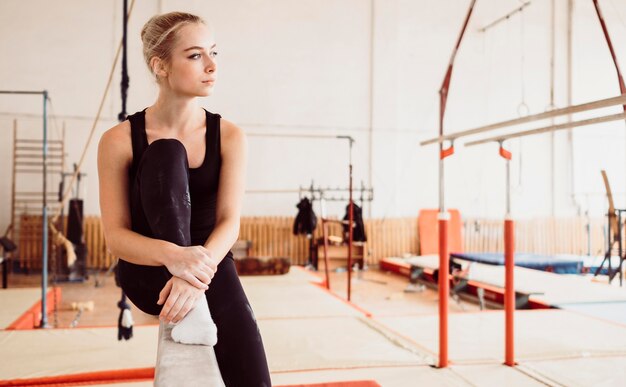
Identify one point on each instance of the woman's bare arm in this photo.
(192, 264)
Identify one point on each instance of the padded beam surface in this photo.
(183, 364)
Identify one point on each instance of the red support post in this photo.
(350, 236)
(325, 236)
(444, 282)
(509, 291)
(444, 289)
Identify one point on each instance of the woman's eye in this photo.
(194, 56)
(213, 54)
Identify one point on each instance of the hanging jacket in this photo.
(358, 232)
(305, 221)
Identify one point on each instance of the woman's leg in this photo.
(160, 208)
(239, 350)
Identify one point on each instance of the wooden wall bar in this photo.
(272, 236)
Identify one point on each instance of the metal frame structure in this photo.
(509, 226)
(351, 142)
(44, 212)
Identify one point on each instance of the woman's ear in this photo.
(158, 67)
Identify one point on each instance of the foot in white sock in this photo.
(197, 327)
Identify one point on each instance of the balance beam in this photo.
(183, 364)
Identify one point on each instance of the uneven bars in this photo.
(551, 128)
(619, 100)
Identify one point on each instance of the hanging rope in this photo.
(125, 79)
(67, 192)
(58, 237)
(125, 320)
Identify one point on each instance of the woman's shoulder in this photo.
(120, 131)
(230, 130)
(116, 140)
(231, 134)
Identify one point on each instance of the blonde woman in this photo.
(171, 186)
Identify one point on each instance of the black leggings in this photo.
(161, 208)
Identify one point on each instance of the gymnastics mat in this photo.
(292, 295)
(609, 311)
(539, 335)
(554, 264)
(90, 352)
(582, 372)
(21, 307)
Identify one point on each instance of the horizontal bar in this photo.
(33, 193)
(337, 221)
(36, 171)
(619, 100)
(33, 201)
(552, 128)
(33, 163)
(37, 141)
(297, 135)
(257, 191)
(307, 190)
(21, 92)
(39, 156)
(33, 148)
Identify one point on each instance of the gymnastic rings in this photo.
(522, 109)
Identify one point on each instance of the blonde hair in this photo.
(159, 34)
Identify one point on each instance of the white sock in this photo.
(197, 327)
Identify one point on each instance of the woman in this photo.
(171, 186)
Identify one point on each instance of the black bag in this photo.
(358, 232)
(305, 221)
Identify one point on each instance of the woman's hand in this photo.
(178, 297)
(194, 264)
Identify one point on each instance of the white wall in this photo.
(368, 69)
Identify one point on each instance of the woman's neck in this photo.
(175, 113)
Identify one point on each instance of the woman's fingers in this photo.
(169, 304)
(165, 292)
(176, 308)
(194, 281)
(187, 306)
(204, 276)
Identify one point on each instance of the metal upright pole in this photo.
(443, 216)
(444, 281)
(44, 268)
(44, 210)
(509, 262)
(350, 226)
(350, 214)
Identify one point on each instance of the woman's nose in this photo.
(210, 66)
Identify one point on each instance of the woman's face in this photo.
(192, 67)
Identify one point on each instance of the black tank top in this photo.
(203, 181)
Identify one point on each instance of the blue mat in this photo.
(569, 265)
(592, 263)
